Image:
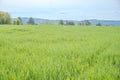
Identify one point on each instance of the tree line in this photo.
(83, 23)
(5, 18)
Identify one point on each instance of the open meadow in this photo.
(56, 52)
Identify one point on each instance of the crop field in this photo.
(56, 52)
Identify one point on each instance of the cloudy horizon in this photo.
(63, 9)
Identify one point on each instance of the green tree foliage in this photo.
(31, 21)
(98, 24)
(20, 20)
(70, 23)
(85, 22)
(17, 21)
(5, 18)
(61, 22)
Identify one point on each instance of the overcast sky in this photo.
(63, 9)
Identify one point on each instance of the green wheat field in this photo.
(56, 52)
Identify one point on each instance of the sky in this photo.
(63, 9)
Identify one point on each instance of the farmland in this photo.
(55, 52)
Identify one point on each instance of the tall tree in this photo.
(31, 21)
(20, 20)
(61, 22)
(5, 18)
(17, 22)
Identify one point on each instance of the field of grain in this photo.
(54, 52)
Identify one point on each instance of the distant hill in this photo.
(93, 22)
(39, 21)
(106, 22)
